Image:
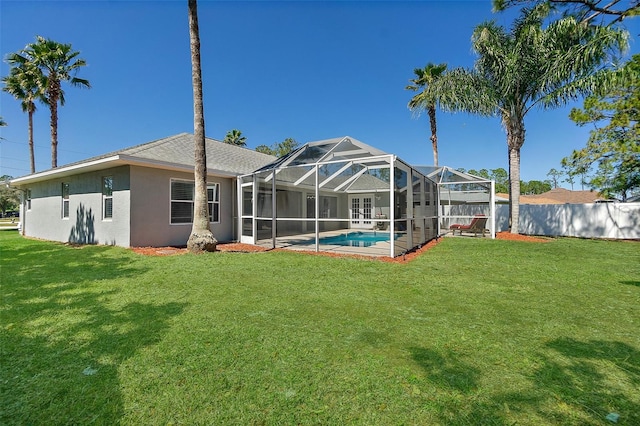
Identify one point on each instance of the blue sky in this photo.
(305, 70)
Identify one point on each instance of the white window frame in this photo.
(212, 204)
(213, 189)
(187, 201)
(65, 200)
(106, 198)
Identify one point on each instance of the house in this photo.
(139, 196)
(337, 195)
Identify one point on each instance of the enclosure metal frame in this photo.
(441, 174)
(364, 156)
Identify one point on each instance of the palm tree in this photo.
(2, 122)
(24, 83)
(526, 67)
(424, 78)
(234, 137)
(59, 63)
(201, 238)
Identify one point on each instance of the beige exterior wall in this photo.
(85, 224)
(141, 209)
(151, 208)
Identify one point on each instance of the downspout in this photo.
(317, 208)
(492, 207)
(392, 209)
(410, 216)
(254, 208)
(237, 232)
(273, 210)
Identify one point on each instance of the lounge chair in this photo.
(477, 226)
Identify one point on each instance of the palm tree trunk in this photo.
(54, 95)
(515, 139)
(434, 136)
(31, 151)
(514, 189)
(201, 238)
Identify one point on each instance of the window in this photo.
(65, 200)
(181, 201)
(367, 209)
(107, 197)
(182, 196)
(213, 199)
(28, 199)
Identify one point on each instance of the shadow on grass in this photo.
(577, 383)
(635, 283)
(593, 378)
(66, 332)
(456, 382)
(446, 370)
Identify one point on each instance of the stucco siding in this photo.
(151, 209)
(85, 223)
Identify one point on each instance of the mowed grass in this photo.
(471, 332)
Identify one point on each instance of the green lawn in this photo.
(474, 332)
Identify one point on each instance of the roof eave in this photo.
(108, 162)
(63, 171)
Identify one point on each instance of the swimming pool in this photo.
(357, 239)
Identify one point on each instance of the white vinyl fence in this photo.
(600, 220)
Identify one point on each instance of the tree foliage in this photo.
(613, 150)
(279, 149)
(234, 137)
(555, 176)
(592, 11)
(526, 67)
(499, 175)
(58, 63)
(501, 179)
(534, 187)
(9, 197)
(265, 149)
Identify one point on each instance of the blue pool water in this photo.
(357, 239)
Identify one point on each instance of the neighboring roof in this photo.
(173, 153)
(559, 196)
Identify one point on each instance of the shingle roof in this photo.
(221, 156)
(174, 152)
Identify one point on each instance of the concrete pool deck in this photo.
(306, 242)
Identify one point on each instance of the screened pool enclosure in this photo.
(462, 197)
(338, 195)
